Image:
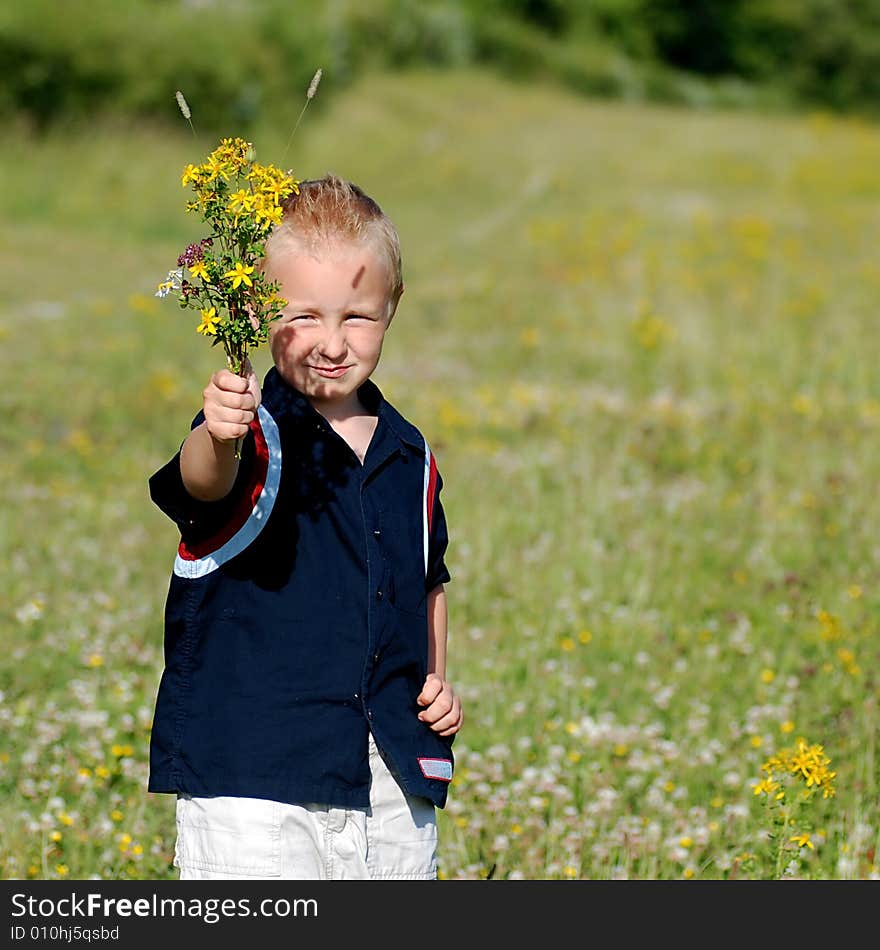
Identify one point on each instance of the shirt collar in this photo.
(280, 398)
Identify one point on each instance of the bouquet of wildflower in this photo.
(239, 200)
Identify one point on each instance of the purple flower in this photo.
(192, 254)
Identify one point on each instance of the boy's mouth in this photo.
(331, 372)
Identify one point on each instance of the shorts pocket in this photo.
(229, 835)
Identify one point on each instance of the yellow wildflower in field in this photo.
(766, 787)
(650, 331)
(807, 762)
(831, 628)
(803, 840)
(62, 870)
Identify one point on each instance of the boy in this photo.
(304, 718)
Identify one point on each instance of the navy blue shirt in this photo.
(296, 617)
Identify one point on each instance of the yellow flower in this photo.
(209, 322)
(239, 275)
(190, 173)
(242, 200)
(268, 214)
(766, 786)
(803, 840)
(198, 269)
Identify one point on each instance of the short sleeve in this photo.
(438, 541)
(197, 520)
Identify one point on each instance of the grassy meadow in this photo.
(642, 343)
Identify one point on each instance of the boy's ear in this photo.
(394, 306)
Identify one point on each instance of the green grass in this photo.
(641, 342)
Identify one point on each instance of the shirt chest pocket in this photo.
(404, 560)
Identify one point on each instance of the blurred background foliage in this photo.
(234, 59)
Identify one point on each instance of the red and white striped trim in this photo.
(428, 493)
(252, 513)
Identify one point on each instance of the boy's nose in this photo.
(333, 346)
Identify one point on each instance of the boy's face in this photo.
(328, 338)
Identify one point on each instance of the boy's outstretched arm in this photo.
(208, 464)
(443, 707)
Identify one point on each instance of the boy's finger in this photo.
(442, 706)
(432, 686)
(231, 382)
(254, 389)
(450, 721)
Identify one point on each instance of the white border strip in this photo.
(256, 520)
(425, 501)
(436, 768)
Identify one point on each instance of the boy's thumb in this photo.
(253, 384)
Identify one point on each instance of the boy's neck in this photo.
(333, 412)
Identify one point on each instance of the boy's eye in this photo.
(357, 316)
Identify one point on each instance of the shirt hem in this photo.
(289, 793)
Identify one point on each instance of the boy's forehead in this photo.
(361, 255)
(355, 264)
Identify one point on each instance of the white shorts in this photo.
(226, 838)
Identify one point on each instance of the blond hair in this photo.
(330, 209)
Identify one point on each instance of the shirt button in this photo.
(377, 532)
(375, 657)
(357, 696)
(379, 594)
(370, 714)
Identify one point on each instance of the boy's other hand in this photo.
(230, 403)
(443, 708)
